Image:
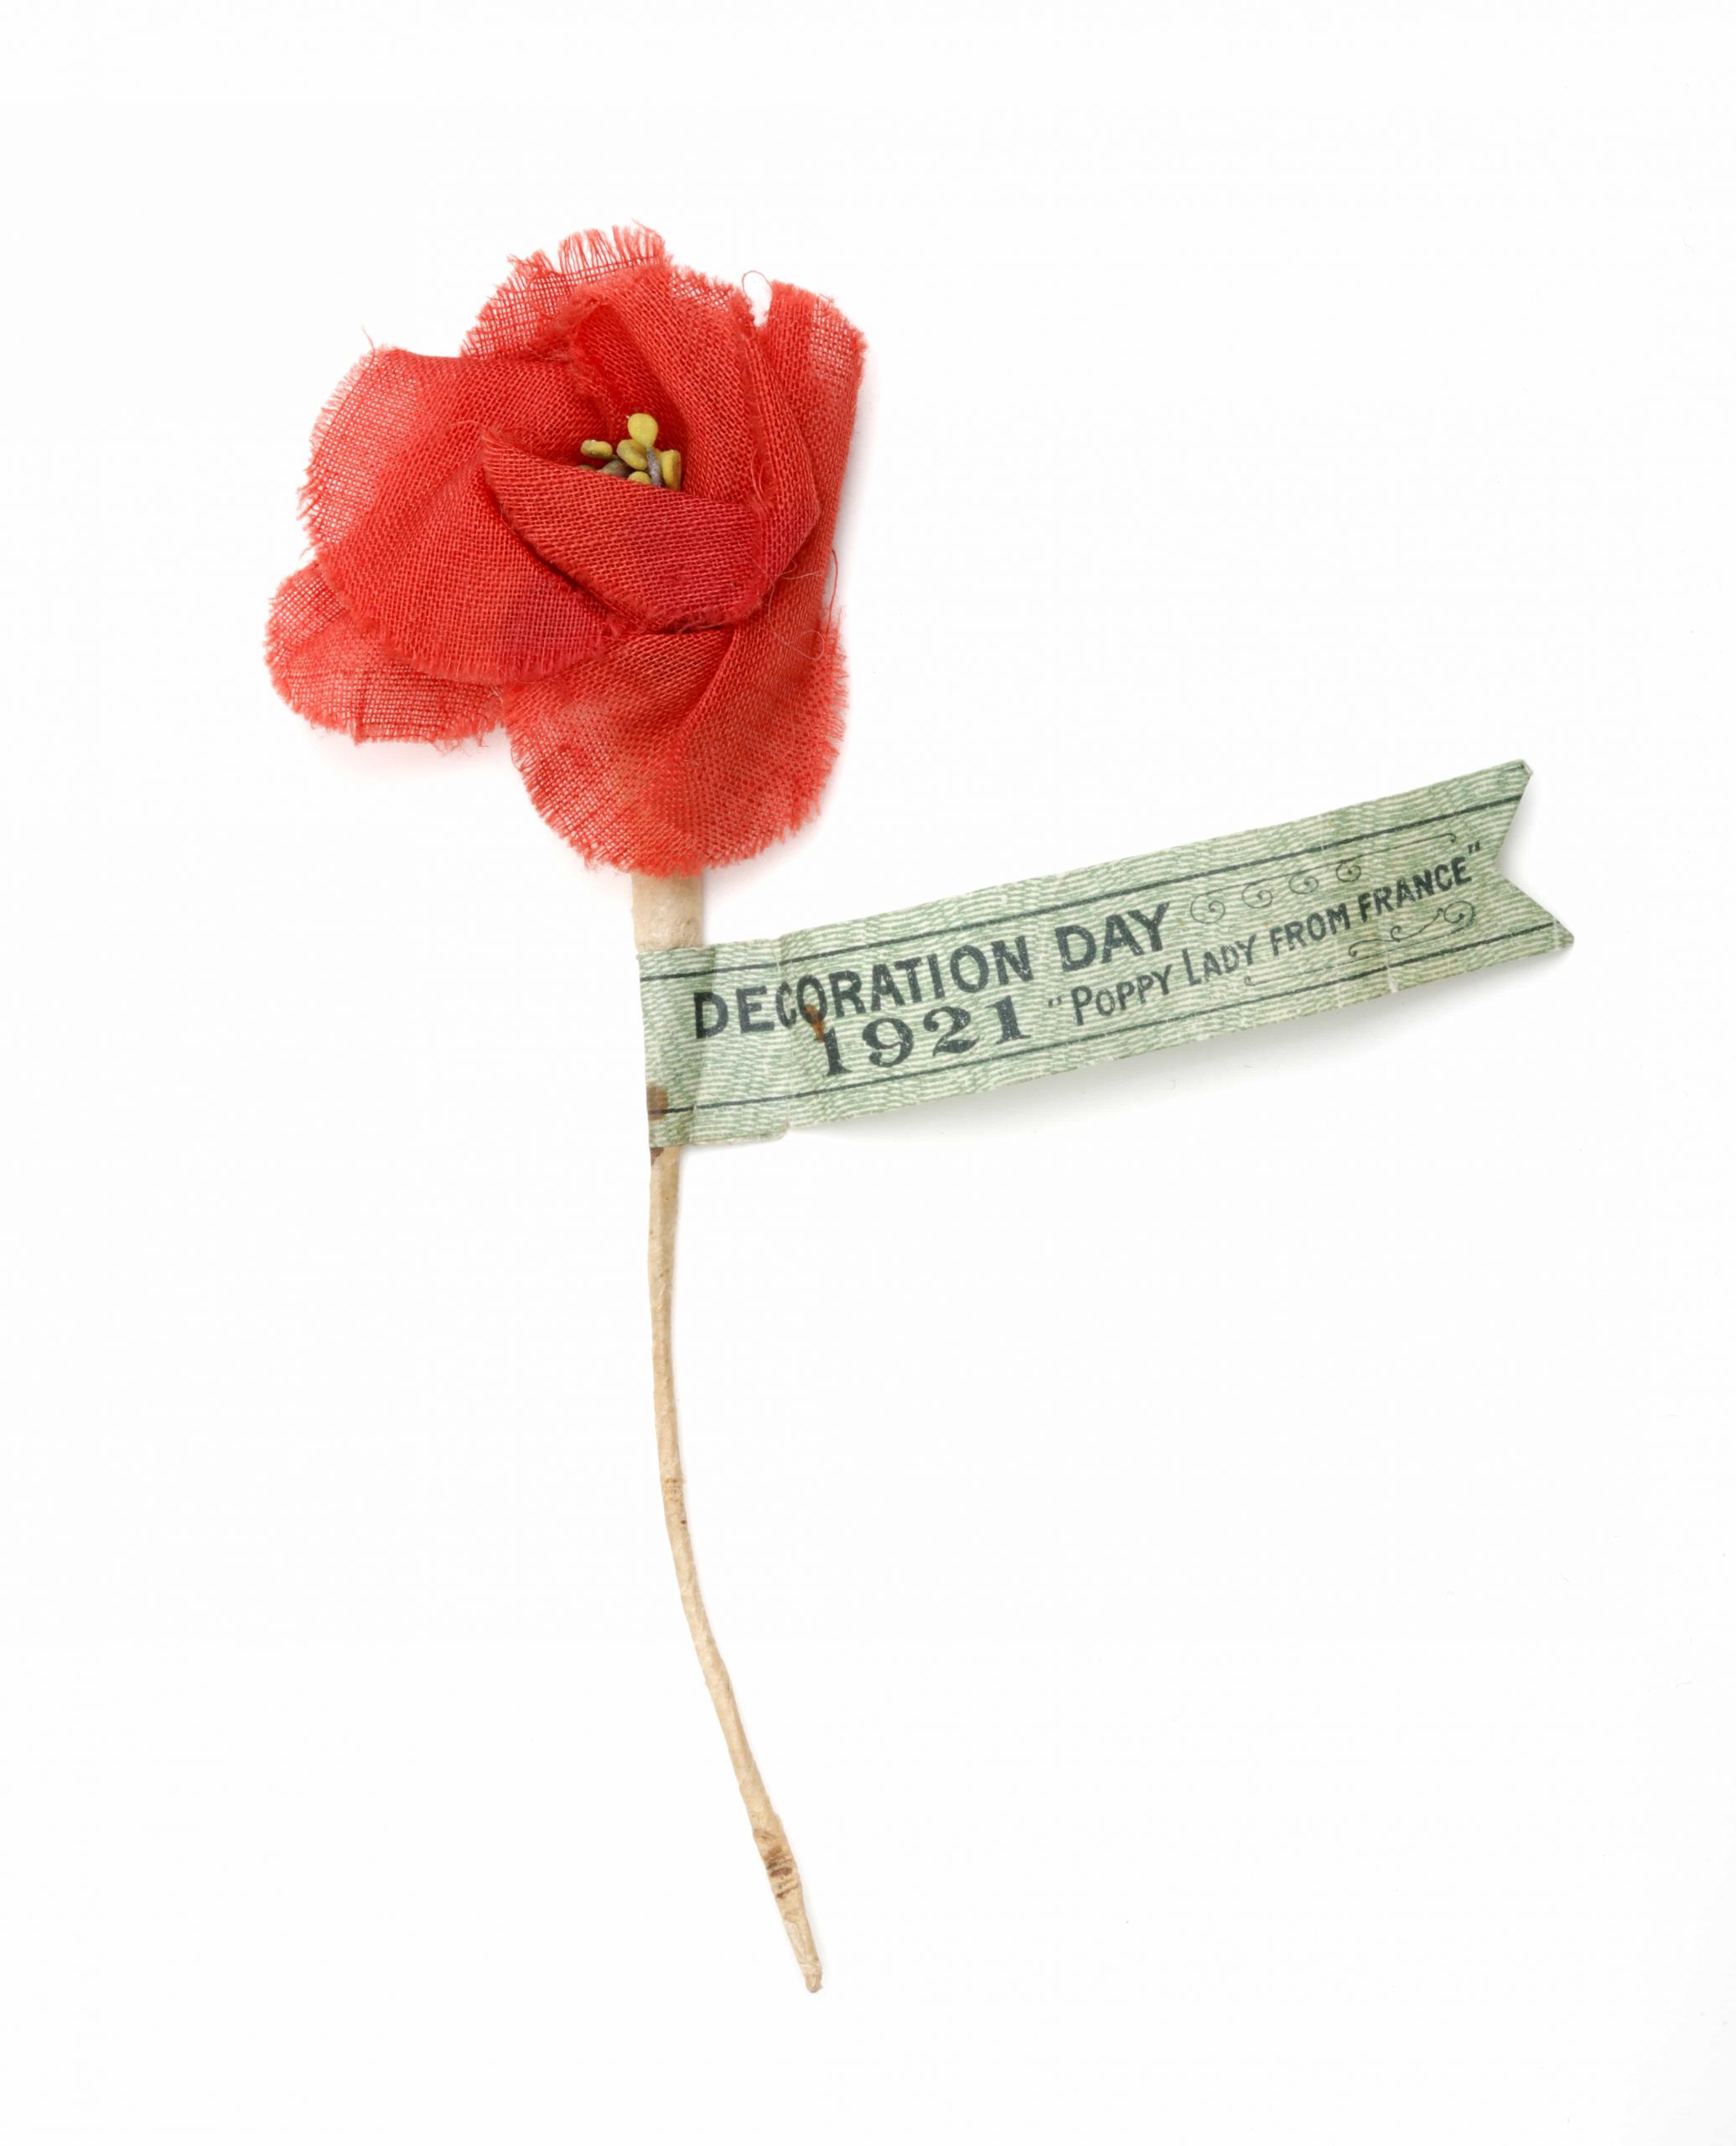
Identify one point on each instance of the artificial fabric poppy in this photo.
(607, 524)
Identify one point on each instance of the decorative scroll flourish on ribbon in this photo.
(744, 1041)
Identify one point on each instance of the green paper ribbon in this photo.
(742, 1041)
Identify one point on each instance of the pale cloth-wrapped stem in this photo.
(668, 912)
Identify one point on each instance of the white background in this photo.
(1226, 1558)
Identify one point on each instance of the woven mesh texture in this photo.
(664, 661)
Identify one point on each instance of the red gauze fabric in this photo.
(664, 661)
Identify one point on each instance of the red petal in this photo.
(407, 531)
(816, 356)
(666, 559)
(337, 675)
(675, 751)
(530, 315)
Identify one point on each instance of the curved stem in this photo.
(666, 913)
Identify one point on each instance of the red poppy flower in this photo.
(661, 651)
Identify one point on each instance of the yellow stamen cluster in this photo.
(638, 457)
